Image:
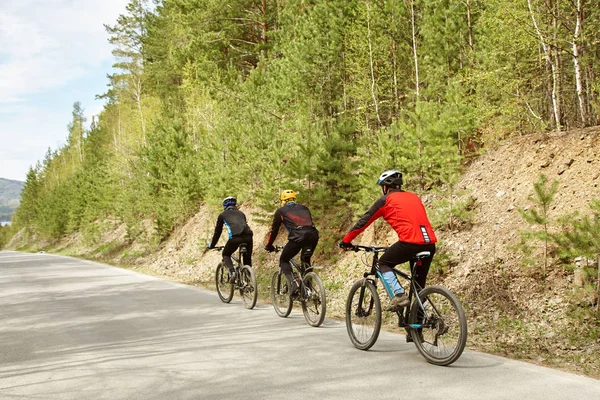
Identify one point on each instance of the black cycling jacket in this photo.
(297, 221)
(235, 222)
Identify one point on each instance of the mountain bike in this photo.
(434, 320)
(245, 280)
(310, 294)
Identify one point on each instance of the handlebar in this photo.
(217, 248)
(368, 249)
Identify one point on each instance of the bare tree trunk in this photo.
(470, 24)
(80, 143)
(264, 21)
(118, 125)
(556, 68)
(417, 93)
(549, 62)
(576, 66)
(373, 95)
(414, 45)
(395, 70)
(137, 85)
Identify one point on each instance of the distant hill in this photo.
(10, 197)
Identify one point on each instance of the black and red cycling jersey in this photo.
(404, 211)
(297, 221)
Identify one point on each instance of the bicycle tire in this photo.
(363, 317)
(224, 288)
(442, 333)
(248, 288)
(280, 295)
(314, 305)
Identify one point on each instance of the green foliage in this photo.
(168, 172)
(581, 232)
(3, 236)
(319, 96)
(543, 197)
(579, 238)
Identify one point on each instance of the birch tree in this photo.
(551, 64)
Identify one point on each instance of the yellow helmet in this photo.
(288, 195)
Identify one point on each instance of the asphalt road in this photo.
(73, 329)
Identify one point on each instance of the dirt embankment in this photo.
(511, 309)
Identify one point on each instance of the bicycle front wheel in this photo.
(314, 305)
(280, 295)
(248, 289)
(363, 314)
(224, 288)
(439, 328)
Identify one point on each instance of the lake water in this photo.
(4, 223)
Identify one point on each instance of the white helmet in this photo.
(390, 178)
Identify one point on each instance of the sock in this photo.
(393, 283)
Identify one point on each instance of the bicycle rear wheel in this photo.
(314, 306)
(440, 329)
(280, 295)
(248, 289)
(224, 288)
(363, 314)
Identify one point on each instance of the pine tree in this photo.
(543, 197)
(579, 238)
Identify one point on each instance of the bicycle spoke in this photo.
(443, 325)
(224, 288)
(314, 303)
(363, 315)
(280, 296)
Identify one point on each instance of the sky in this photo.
(52, 54)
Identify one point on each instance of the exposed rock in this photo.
(579, 278)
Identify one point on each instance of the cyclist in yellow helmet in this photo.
(302, 234)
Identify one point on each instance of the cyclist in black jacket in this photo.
(239, 233)
(302, 234)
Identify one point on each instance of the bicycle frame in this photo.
(303, 267)
(374, 274)
(237, 263)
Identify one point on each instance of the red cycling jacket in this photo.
(404, 211)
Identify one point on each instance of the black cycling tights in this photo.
(401, 252)
(292, 248)
(232, 245)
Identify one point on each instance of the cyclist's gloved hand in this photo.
(344, 245)
(270, 248)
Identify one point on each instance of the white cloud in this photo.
(47, 43)
(52, 53)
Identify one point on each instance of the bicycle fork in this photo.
(360, 310)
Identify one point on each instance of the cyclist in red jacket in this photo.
(302, 234)
(405, 212)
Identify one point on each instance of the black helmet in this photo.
(391, 179)
(229, 201)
